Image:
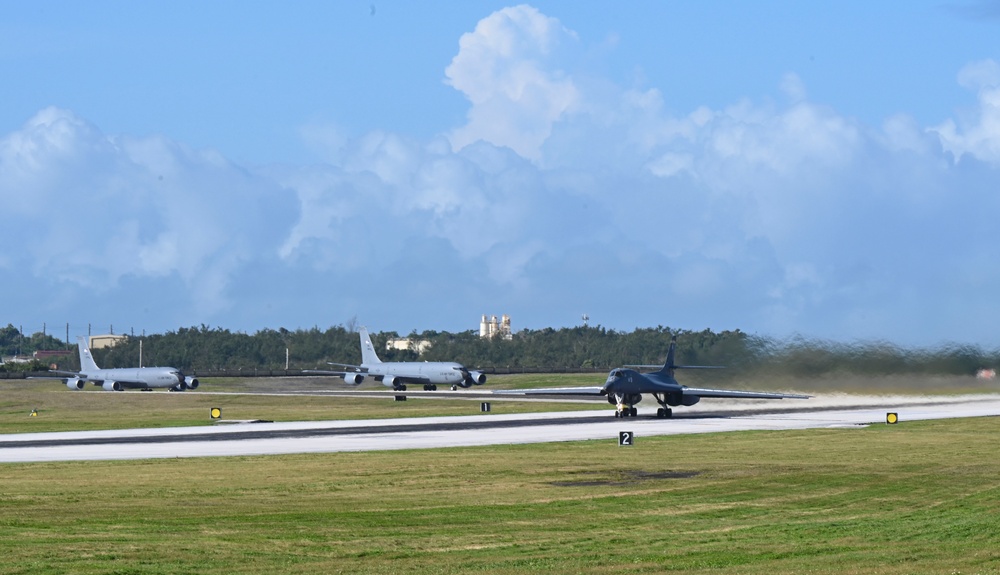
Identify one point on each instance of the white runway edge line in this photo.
(365, 435)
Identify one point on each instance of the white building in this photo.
(491, 327)
(407, 344)
(103, 341)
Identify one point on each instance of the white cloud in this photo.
(793, 87)
(95, 209)
(980, 75)
(977, 132)
(509, 70)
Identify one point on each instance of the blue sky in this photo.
(827, 169)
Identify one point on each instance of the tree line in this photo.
(565, 349)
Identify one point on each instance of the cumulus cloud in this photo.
(976, 133)
(93, 209)
(559, 195)
(510, 70)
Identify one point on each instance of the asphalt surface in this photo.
(267, 438)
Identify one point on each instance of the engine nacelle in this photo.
(75, 383)
(353, 378)
(477, 377)
(676, 399)
(389, 381)
(690, 400)
(465, 383)
(191, 382)
(112, 386)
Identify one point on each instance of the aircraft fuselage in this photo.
(629, 381)
(430, 372)
(116, 379)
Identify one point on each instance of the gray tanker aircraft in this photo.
(396, 374)
(118, 379)
(624, 388)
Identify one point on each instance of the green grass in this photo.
(918, 497)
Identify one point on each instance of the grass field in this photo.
(918, 497)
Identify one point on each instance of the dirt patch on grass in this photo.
(627, 477)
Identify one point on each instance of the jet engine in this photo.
(476, 377)
(75, 383)
(112, 386)
(354, 378)
(393, 382)
(191, 382)
(676, 399)
(690, 400)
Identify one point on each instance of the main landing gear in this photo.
(427, 387)
(625, 404)
(633, 412)
(664, 410)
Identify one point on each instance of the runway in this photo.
(241, 439)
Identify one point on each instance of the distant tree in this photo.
(588, 347)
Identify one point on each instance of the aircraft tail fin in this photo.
(87, 362)
(669, 366)
(368, 355)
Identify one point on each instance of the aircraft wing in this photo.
(651, 366)
(595, 390)
(349, 368)
(57, 374)
(694, 391)
(354, 374)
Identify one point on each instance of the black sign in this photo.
(626, 438)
